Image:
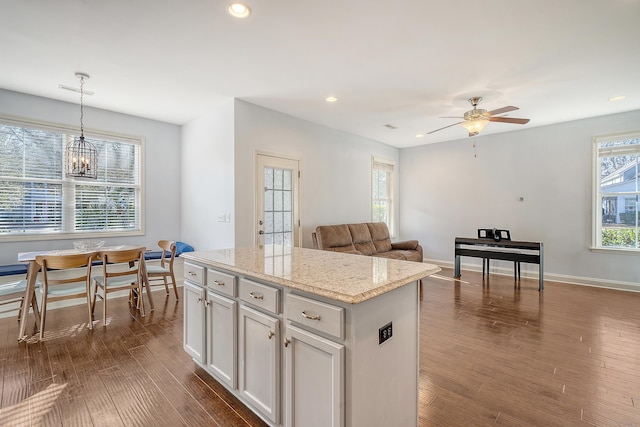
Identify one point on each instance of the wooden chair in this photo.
(65, 285)
(165, 269)
(13, 292)
(115, 278)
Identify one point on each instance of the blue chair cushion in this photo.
(13, 269)
(183, 247)
(152, 255)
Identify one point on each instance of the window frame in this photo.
(597, 194)
(391, 199)
(67, 182)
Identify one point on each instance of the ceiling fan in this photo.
(475, 120)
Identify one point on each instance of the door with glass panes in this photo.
(277, 201)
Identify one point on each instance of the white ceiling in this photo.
(404, 62)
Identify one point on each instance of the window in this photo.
(38, 201)
(382, 193)
(278, 206)
(616, 190)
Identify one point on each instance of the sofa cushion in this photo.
(362, 239)
(380, 236)
(410, 255)
(335, 238)
(390, 255)
(405, 245)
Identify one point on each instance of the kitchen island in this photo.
(306, 337)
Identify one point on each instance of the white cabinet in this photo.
(259, 362)
(210, 323)
(314, 385)
(221, 336)
(194, 326)
(298, 359)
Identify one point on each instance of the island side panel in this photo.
(382, 379)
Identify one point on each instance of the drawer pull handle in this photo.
(310, 317)
(286, 342)
(218, 282)
(199, 299)
(270, 334)
(191, 273)
(207, 302)
(256, 296)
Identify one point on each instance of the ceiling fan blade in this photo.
(509, 120)
(503, 110)
(433, 131)
(451, 117)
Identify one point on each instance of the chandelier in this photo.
(82, 156)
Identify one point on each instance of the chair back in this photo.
(135, 258)
(168, 252)
(67, 261)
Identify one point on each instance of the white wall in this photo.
(207, 179)
(335, 167)
(162, 165)
(446, 192)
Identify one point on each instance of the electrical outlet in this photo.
(385, 333)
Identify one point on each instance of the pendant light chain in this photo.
(82, 106)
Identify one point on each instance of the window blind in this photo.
(37, 198)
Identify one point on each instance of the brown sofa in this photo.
(367, 238)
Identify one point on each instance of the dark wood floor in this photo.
(491, 354)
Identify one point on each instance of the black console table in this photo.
(507, 250)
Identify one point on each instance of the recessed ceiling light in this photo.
(331, 99)
(238, 10)
(617, 98)
(419, 135)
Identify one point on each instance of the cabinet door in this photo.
(194, 318)
(221, 338)
(259, 367)
(314, 369)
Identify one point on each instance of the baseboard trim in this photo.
(531, 274)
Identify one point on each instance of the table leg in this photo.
(456, 272)
(29, 300)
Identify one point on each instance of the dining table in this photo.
(30, 300)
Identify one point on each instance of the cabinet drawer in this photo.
(194, 273)
(262, 296)
(317, 315)
(221, 282)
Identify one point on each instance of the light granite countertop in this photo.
(341, 277)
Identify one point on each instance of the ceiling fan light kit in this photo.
(474, 127)
(476, 119)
